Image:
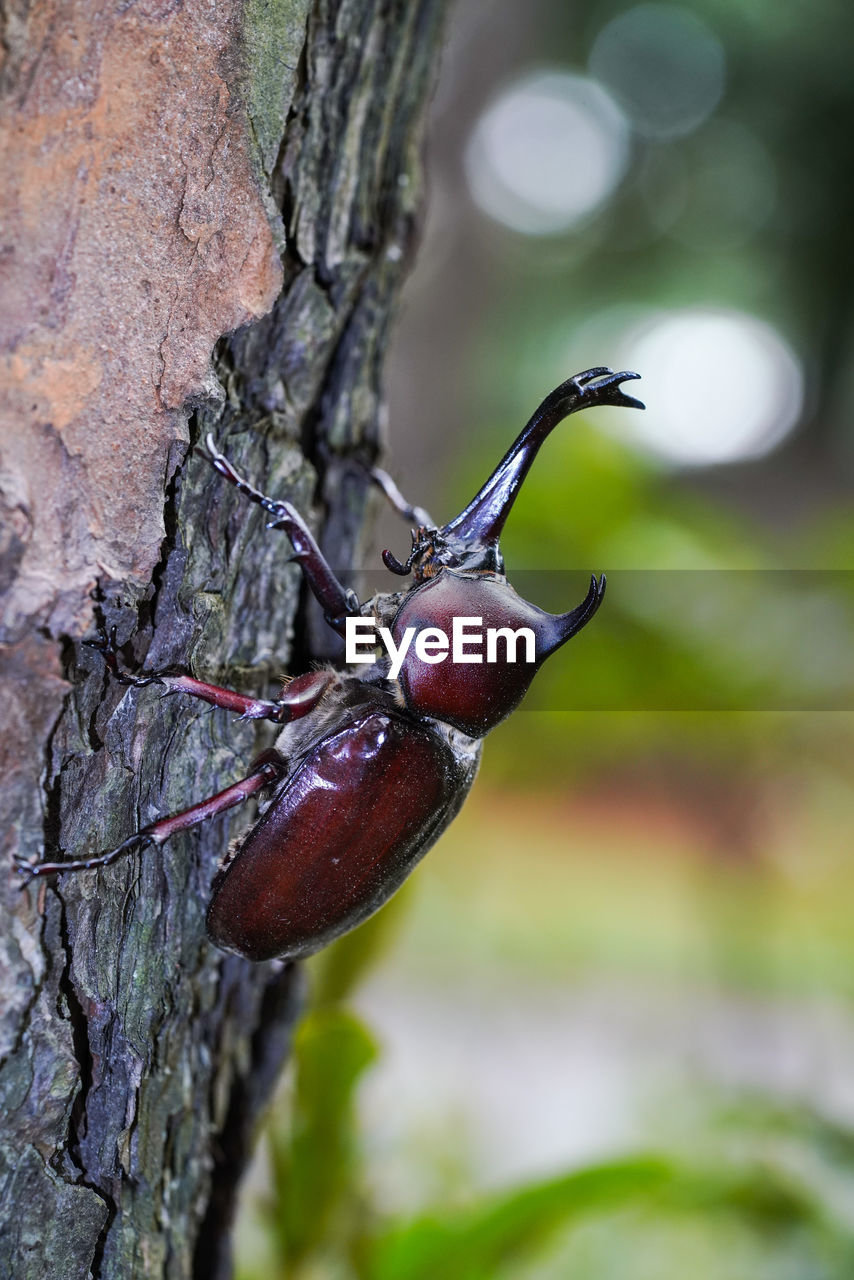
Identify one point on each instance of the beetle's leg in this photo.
(269, 768)
(298, 697)
(336, 601)
(414, 515)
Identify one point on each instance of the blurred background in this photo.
(606, 1030)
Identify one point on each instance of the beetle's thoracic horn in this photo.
(563, 626)
(483, 518)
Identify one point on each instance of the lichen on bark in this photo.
(185, 170)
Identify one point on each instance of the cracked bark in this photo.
(179, 172)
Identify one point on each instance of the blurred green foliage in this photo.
(766, 1192)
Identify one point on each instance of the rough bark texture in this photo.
(172, 171)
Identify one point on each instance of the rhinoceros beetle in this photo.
(368, 770)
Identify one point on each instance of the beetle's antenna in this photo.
(484, 517)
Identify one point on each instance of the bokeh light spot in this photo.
(714, 191)
(663, 65)
(547, 152)
(720, 386)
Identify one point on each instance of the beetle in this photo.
(367, 771)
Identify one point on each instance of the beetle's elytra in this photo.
(367, 771)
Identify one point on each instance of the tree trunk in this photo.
(174, 172)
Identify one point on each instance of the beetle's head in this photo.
(469, 542)
(437, 549)
(459, 578)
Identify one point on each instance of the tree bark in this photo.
(175, 173)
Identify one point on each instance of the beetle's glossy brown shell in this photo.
(473, 697)
(339, 838)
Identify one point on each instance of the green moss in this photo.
(274, 34)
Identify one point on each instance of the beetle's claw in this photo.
(25, 869)
(106, 645)
(281, 520)
(109, 651)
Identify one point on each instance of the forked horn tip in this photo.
(628, 402)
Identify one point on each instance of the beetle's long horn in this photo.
(483, 518)
(563, 626)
